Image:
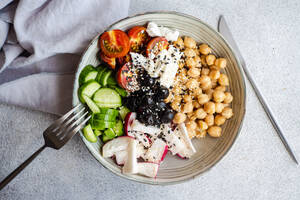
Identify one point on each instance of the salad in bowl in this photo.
(154, 91)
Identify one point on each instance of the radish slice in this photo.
(157, 152)
(128, 121)
(148, 169)
(121, 156)
(137, 126)
(130, 166)
(115, 145)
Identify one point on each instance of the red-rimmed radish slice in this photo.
(157, 152)
(130, 166)
(130, 117)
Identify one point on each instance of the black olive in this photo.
(163, 92)
(162, 105)
(148, 100)
(167, 116)
(150, 120)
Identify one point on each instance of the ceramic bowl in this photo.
(209, 150)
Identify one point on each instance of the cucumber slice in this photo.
(101, 69)
(111, 81)
(107, 98)
(123, 112)
(109, 111)
(88, 73)
(106, 117)
(88, 89)
(121, 91)
(89, 134)
(93, 107)
(110, 133)
(104, 77)
(97, 132)
(105, 138)
(102, 124)
(118, 128)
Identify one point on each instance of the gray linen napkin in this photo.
(41, 43)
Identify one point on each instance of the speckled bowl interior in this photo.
(209, 150)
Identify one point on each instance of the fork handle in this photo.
(12, 175)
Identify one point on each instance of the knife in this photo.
(225, 31)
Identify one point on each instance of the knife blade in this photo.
(225, 31)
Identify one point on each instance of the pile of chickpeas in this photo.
(199, 94)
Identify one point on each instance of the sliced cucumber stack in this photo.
(101, 93)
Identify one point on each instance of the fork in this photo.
(55, 136)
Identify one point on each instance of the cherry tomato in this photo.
(156, 45)
(122, 60)
(114, 43)
(126, 77)
(138, 38)
(110, 61)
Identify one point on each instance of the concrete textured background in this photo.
(257, 167)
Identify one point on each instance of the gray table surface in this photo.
(257, 167)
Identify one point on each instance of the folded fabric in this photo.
(41, 43)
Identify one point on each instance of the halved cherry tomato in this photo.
(126, 77)
(156, 45)
(122, 60)
(110, 61)
(114, 43)
(138, 38)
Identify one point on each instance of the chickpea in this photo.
(179, 43)
(200, 113)
(204, 79)
(175, 105)
(192, 84)
(197, 91)
(194, 72)
(202, 125)
(214, 83)
(191, 133)
(214, 67)
(209, 93)
(227, 112)
(203, 98)
(214, 131)
(204, 49)
(189, 52)
(221, 88)
(192, 125)
(187, 98)
(177, 89)
(210, 59)
(196, 104)
(189, 42)
(188, 107)
(205, 71)
(209, 120)
(190, 62)
(203, 60)
(219, 96)
(196, 52)
(219, 107)
(179, 118)
(214, 74)
(206, 86)
(221, 63)
(220, 120)
(210, 107)
(182, 76)
(223, 80)
(197, 59)
(177, 98)
(200, 133)
(228, 97)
